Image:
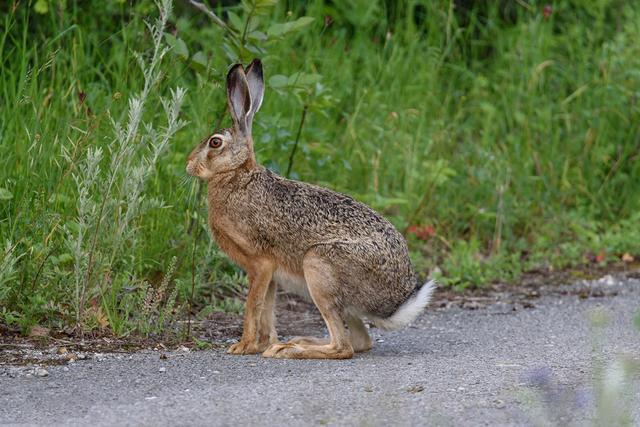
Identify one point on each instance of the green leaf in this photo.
(178, 46)
(235, 21)
(279, 30)
(41, 6)
(256, 50)
(278, 81)
(5, 194)
(257, 35)
(257, 7)
(199, 61)
(230, 51)
(265, 3)
(301, 22)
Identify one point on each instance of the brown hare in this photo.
(350, 261)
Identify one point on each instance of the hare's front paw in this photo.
(247, 347)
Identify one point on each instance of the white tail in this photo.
(409, 310)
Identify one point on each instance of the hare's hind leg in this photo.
(323, 286)
(360, 340)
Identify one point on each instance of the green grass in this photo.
(513, 137)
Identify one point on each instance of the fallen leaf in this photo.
(627, 257)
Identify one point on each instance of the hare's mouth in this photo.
(194, 168)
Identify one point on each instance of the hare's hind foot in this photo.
(309, 351)
(309, 341)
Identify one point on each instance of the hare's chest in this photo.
(230, 238)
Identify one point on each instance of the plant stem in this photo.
(243, 39)
(295, 144)
(193, 285)
(201, 6)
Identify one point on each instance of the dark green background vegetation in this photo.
(500, 136)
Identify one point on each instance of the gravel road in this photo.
(551, 364)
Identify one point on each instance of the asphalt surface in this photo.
(558, 363)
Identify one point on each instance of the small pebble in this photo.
(162, 369)
(415, 388)
(40, 372)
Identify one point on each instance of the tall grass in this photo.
(499, 136)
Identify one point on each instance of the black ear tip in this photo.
(234, 70)
(255, 66)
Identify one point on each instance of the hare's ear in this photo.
(256, 88)
(239, 98)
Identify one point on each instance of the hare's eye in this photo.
(215, 142)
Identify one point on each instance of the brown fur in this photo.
(352, 261)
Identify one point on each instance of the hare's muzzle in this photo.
(192, 167)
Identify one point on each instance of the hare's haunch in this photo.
(347, 259)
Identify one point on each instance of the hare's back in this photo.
(318, 213)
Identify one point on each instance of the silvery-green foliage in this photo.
(110, 197)
(77, 232)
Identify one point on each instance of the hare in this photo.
(349, 260)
